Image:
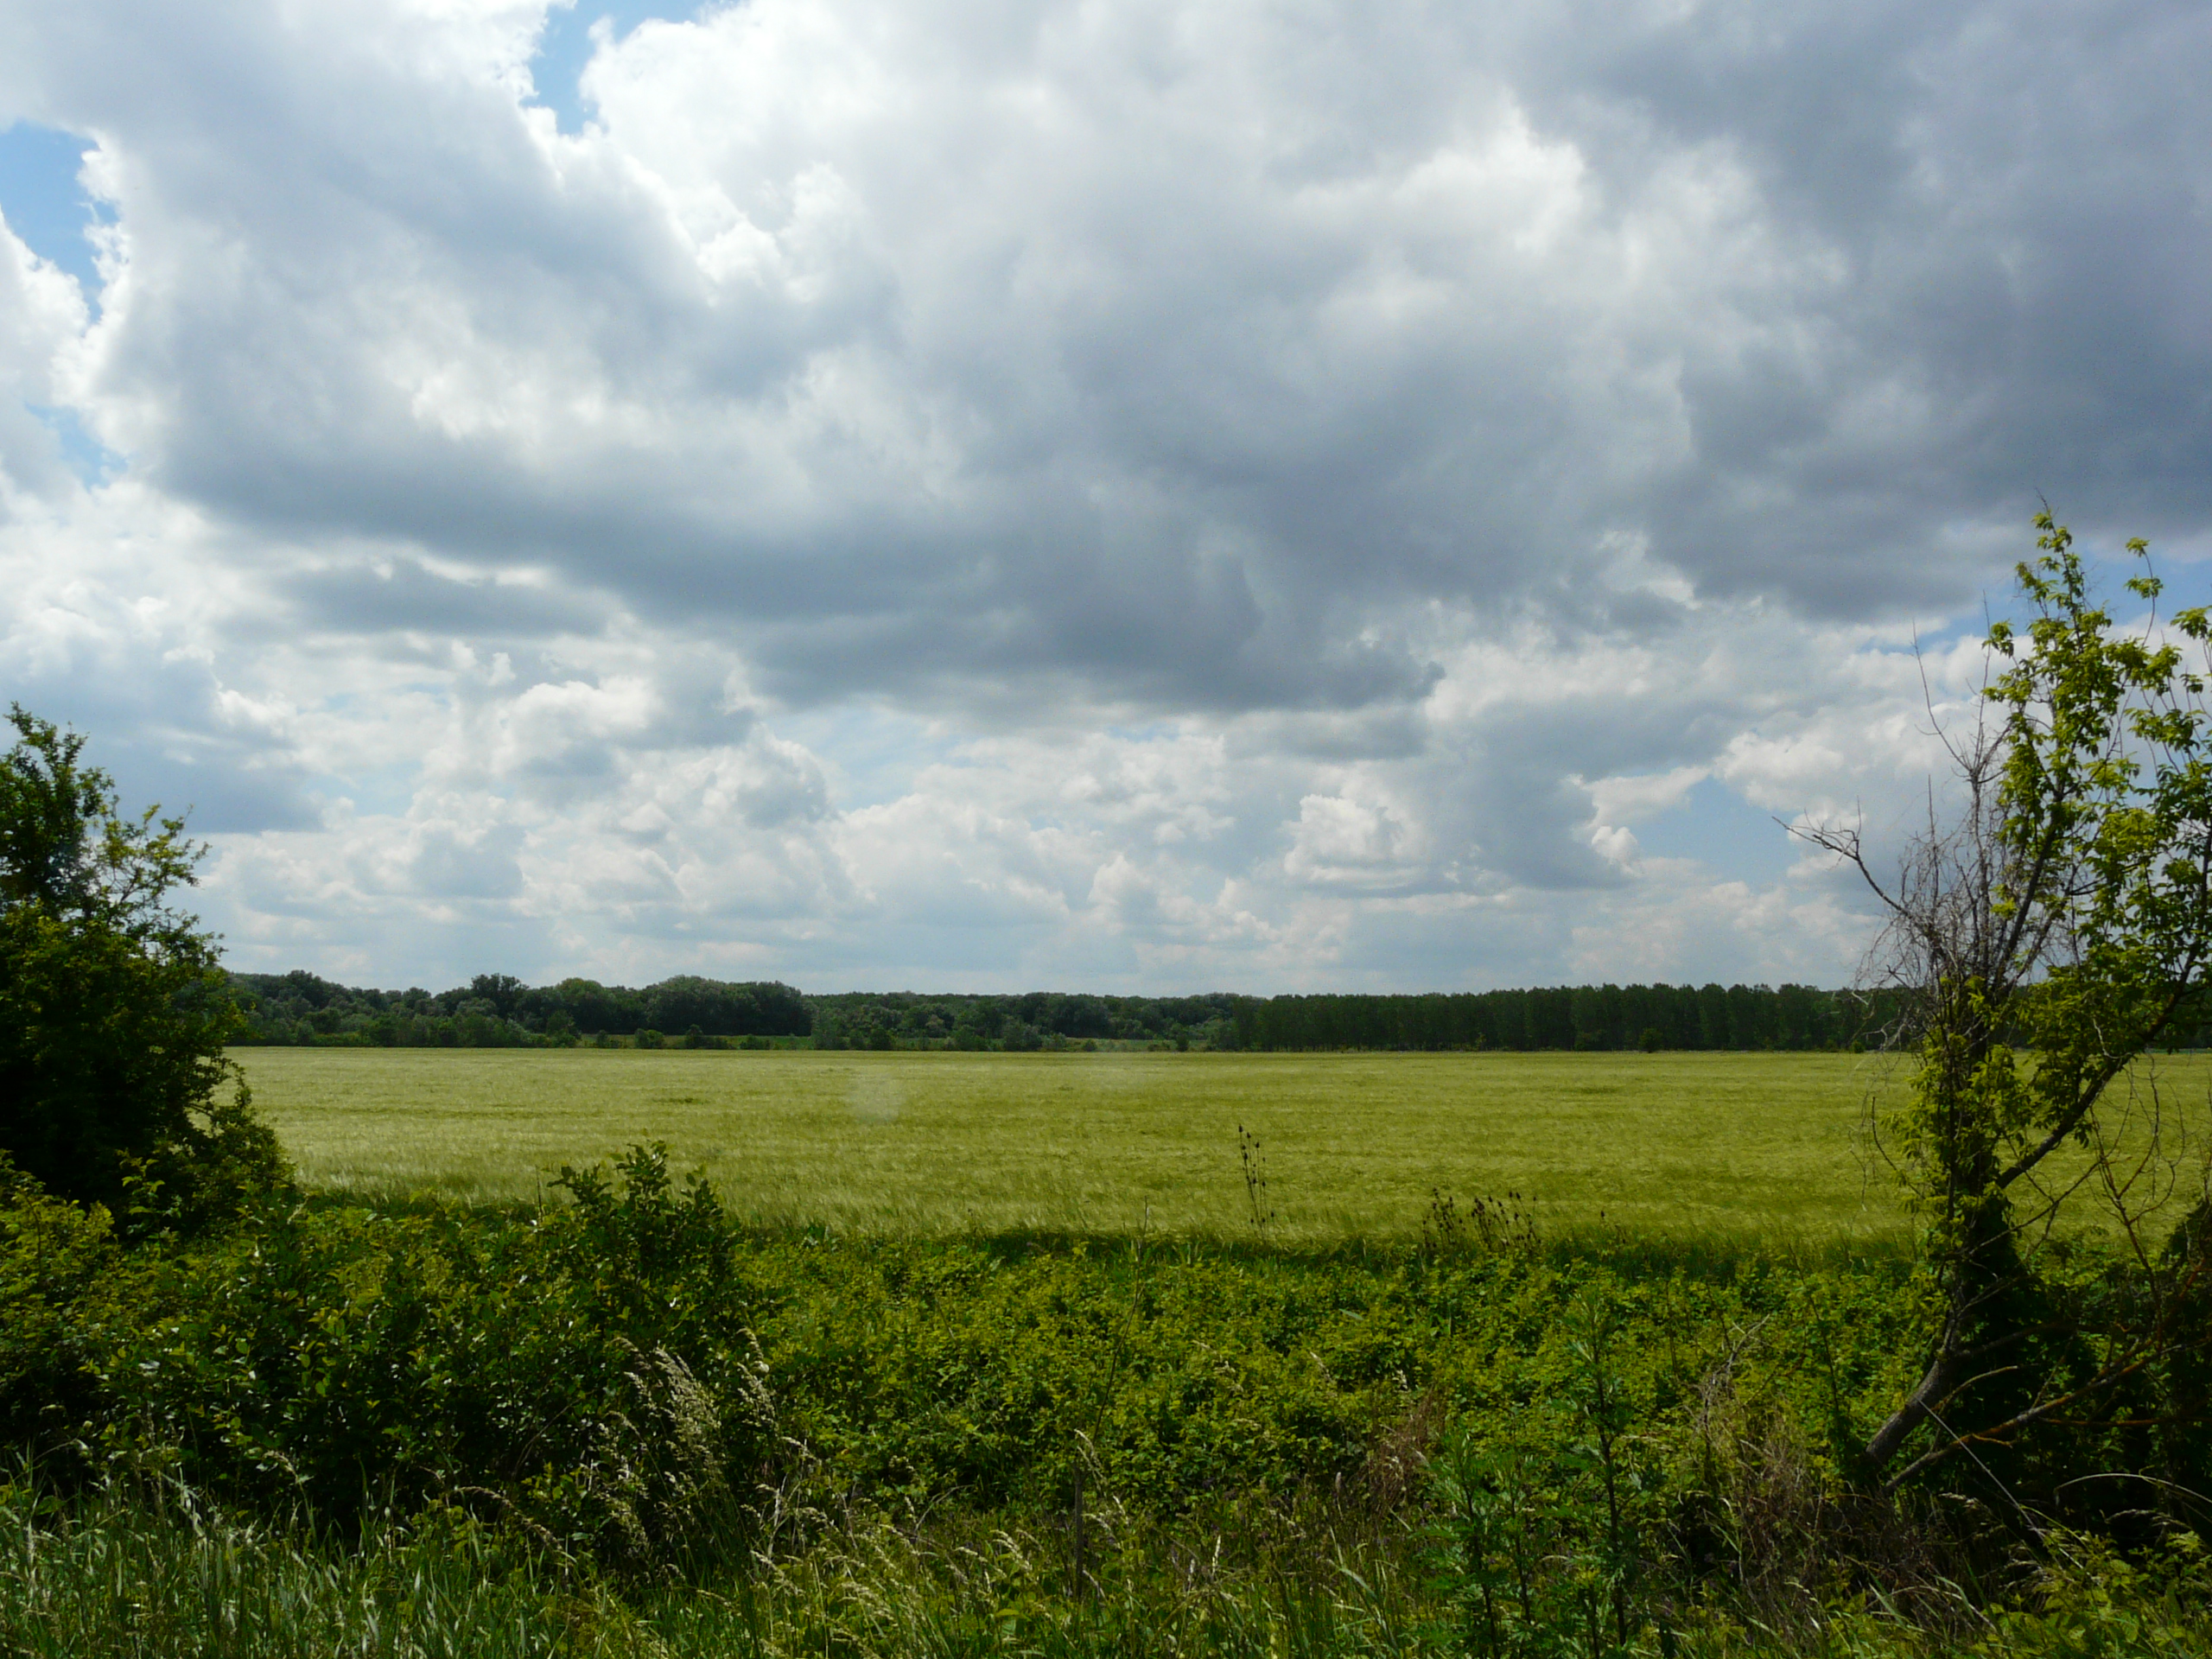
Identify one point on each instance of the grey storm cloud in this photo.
(922, 349)
(399, 593)
(2014, 197)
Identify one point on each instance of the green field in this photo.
(1768, 1145)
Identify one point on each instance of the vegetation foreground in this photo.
(626, 1424)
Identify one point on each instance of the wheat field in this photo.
(1347, 1145)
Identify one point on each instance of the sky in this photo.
(1272, 496)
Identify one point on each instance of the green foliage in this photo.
(589, 1376)
(2090, 1601)
(2105, 886)
(624, 1424)
(546, 1365)
(66, 849)
(2183, 1378)
(113, 1014)
(2068, 914)
(1545, 1548)
(56, 1258)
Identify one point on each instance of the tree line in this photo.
(1650, 1017)
(1028, 1020)
(1569, 1017)
(499, 1011)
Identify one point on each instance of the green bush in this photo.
(2182, 1391)
(57, 1261)
(588, 1376)
(113, 1014)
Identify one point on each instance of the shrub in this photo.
(588, 1376)
(113, 1014)
(56, 1260)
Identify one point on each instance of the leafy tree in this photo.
(502, 991)
(113, 1013)
(2060, 928)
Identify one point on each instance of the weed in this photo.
(1255, 1183)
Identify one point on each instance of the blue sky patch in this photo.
(1736, 840)
(46, 205)
(566, 46)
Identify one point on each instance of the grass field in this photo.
(1771, 1145)
(1350, 1144)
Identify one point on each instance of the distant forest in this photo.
(1570, 1017)
(499, 1011)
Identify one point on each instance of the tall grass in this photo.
(160, 1576)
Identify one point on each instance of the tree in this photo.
(113, 1012)
(2038, 945)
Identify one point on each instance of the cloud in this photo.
(384, 592)
(1136, 494)
(41, 316)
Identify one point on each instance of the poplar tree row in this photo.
(1568, 1017)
